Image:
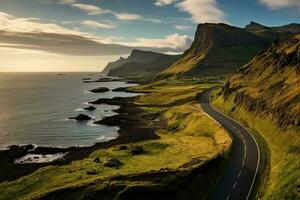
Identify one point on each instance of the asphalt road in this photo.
(237, 182)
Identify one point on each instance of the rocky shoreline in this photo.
(129, 120)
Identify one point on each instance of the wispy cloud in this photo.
(33, 34)
(89, 9)
(153, 20)
(67, 1)
(176, 42)
(161, 3)
(202, 11)
(96, 24)
(128, 16)
(95, 10)
(183, 27)
(278, 4)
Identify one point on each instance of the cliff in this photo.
(270, 83)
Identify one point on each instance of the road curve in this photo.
(237, 182)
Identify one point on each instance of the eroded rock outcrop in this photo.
(270, 83)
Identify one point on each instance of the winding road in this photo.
(237, 182)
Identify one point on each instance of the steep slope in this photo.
(136, 56)
(270, 83)
(217, 49)
(221, 49)
(140, 63)
(264, 95)
(113, 65)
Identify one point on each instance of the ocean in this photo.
(34, 109)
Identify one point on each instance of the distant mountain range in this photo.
(270, 83)
(217, 49)
(140, 63)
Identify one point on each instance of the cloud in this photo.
(31, 33)
(161, 3)
(134, 17)
(156, 21)
(89, 9)
(183, 27)
(128, 16)
(95, 10)
(61, 44)
(173, 42)
(67, 1)
(202, 11)
(278, 4)
(96, 24)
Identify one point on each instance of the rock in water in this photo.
(90, 108)
(120, 89)
(81, 117)
(112, 162)
(100, 90)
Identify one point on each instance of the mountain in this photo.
(221, 49)
(271, 33)
(270, 83)
(256, 26)
(113, 65)
(140, 63)
(292, 28)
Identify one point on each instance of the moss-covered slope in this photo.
(265, 96)
(221, 49)
(270, 83)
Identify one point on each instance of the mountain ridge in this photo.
(140, 62)
(220, 49)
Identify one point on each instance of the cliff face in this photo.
(221, 49)
(136, 56)
(140, 63)
(113, 65)
(270, 83)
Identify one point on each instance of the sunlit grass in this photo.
(188, 134)
(284, 147)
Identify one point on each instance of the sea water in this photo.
(34, 109)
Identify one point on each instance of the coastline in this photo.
(131, 129)
(174, 163)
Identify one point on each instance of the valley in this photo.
(220, 121)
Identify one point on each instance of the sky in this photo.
(83, 35)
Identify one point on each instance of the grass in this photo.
(186, 133)
(283, 147)
(184, 65)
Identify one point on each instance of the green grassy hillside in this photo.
(183, 161)
(270, 83)
(281, 181)
(221, 49)
(265, 96)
